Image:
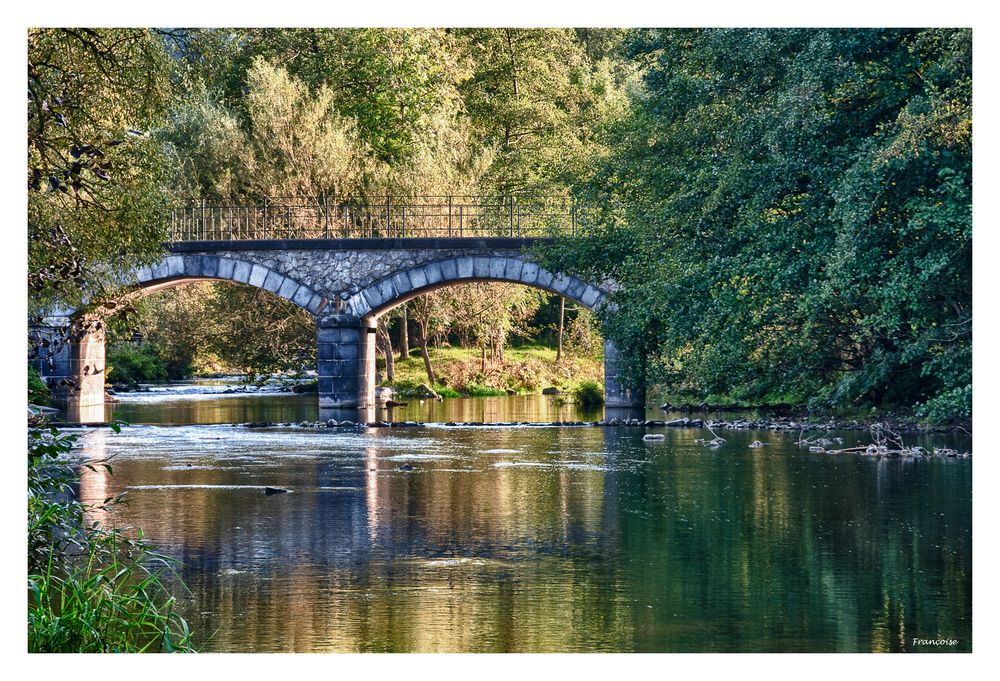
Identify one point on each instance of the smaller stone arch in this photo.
(409, 283)
(346, 347)
(175, 269)
(81, 361)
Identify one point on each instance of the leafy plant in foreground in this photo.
(90, 588)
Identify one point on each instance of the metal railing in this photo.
(376, 217)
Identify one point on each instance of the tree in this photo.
(537, 100)
(788, 215)
(95, 177)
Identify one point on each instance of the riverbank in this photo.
(523, 370)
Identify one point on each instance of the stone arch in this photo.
(396, 289)
(175, 269)
(346, 367)
(81, 361)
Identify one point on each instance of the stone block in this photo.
(144, 274)
(192, 265)
(302, 296)
(497, 267)
(175, 266)
(544, 279)
(209, 266)
(418, 278)
(480, 267)
(529, 273)
(326, 350)
(241, 272)
(161, 270)
(332, 367)
(257, 275)
(513, 270)
(358, 306)
(465, 267)
(324, 385)
(273, 281)
(561, 283)
(373, 296)
(432, 272)
(330, 336)
(347, 351)
(288, 288)
(449, 269)
(590, 296)
(227, 267)
(575, 289)
(387, 291)
(401, 281)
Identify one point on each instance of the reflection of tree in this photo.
(634, 548)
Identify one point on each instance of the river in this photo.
(534, 539)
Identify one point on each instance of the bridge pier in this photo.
(617, 395)
(71, 362)
(345, 362)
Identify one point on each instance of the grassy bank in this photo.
(524, 370)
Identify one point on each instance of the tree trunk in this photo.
(422, 340)
(382, 336)
(404, 336)
(562, 316)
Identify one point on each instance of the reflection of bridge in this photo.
(345, 283)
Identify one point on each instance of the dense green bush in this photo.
(38, 391)
(135, 364)
(90, 588)
(589, 393)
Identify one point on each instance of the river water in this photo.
(534, 539)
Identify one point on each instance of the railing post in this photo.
(325, 205)
(510, 208)
(449, 215)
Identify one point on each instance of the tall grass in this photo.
(90, 588)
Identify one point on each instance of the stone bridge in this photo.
(346, 284)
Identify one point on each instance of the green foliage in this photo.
(90, 588)
(589, 393)
(38, 390)
(525, 370)
(95, 176)
(789, 212)
(219, 327)
(135, 364)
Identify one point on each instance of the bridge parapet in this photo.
(380, 217)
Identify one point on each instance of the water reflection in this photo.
(546, 539)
